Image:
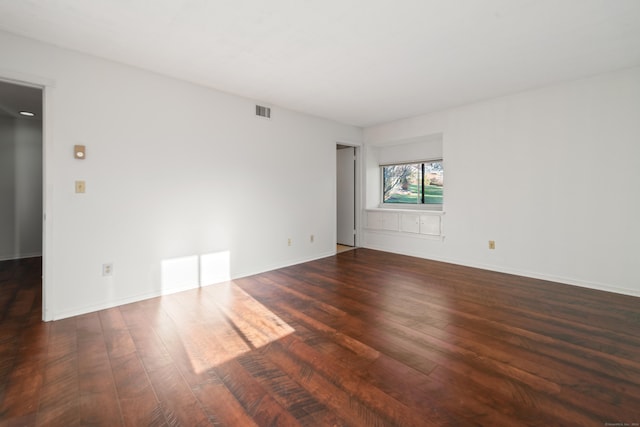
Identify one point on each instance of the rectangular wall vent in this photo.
(263, 111)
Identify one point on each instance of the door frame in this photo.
(357, 191)
(46, 85)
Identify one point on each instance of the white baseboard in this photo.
(286, 264)
(517, 272)
(119, 302)
(159, 293)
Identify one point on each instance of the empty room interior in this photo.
(320, 213)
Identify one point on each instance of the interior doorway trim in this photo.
(47, 86)
(357, 192)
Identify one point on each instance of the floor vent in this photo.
(263, 111)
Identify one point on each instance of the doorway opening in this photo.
(21, 175)
(346, 200)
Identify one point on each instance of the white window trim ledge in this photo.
(409, 208)
(406, 210)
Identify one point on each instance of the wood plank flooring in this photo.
(363, 338)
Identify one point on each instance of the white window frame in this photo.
(417, 206)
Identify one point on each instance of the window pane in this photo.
(402, 183)
(433, 182)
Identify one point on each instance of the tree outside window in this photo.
(413, 183)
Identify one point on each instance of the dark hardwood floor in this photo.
(363, 338)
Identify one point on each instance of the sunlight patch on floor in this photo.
(221, 322)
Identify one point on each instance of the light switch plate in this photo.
(80, 187)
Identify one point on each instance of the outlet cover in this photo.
(107, 269)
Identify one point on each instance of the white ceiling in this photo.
(360, 62)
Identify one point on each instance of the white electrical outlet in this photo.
(107, 269)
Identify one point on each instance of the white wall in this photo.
(552, 175)
(20, 188)
(173, 172)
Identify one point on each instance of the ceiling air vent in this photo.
(263, 111)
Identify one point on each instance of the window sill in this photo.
(409, 209)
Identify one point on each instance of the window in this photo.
(413, 183)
